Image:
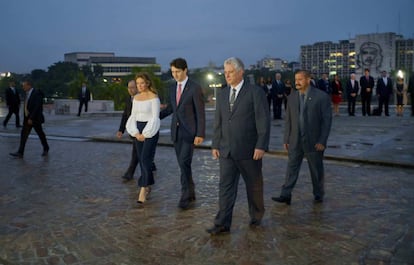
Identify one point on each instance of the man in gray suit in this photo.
(307, 127)
(240, 139)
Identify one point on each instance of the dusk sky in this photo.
(36, 34)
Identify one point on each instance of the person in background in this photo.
(323, 84)
(384, 91)
(336, 86)
(400, 89)
(410, 91)
(278, 93)
(13, 104)
(307, 126)
(352, 88)
(144, 126)
(84, 97)
(367, 85)
(288, 90)
(132, 91)
(33, 118)
(240, 138)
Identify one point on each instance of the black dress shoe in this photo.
(126, 178)
(318, 199)
(184, 204)
(17, 154)
(255, 222)
(282, 199)
(45, 153)
(218, 230)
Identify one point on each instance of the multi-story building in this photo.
(328, 57)
(273, 64)
(82, 58)
(113, 67)
(405, 55)
(376, 52)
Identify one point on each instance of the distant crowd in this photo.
(352, 90)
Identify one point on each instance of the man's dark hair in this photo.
(28, 81)
(179, 63)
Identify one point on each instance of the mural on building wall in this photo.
(370, 56)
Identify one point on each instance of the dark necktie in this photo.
(232, 98)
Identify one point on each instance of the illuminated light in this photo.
(352, 54)
(210, 77)
(400, 74)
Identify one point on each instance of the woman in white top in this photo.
(144, 126)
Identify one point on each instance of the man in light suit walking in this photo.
(186, 103)
(307, 127)
(240, 139)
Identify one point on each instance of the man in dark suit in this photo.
(278, 93)
(324, 84)
(367, 84)
(186, 103)
(33, 118)
(132, 91)
(411, 92)
(240, 139)
(84, 97)
(308, 123)
(352, 88)
(384, 91)
(13, 104)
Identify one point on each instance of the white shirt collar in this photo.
(183, 83)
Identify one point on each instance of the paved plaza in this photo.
(72, 207)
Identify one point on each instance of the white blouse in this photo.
(145, 111)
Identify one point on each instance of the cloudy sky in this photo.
(36, 34)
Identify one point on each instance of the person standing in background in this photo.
(384, 91)
(352, 88)
(278, 92)
(367, 84)
(84, 97)
(336, 86)
(13, 104)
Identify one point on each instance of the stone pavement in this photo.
(72, 207)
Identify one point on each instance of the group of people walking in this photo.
(241, 135)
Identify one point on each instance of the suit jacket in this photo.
(317, 120)
(189, 115)
(324, 85)
(125, 114)
(382, 89)
(35, 107)
(12, 98)
(350, 89)
(246, 127)
(278, 89)
(364, 83)
(87, 95)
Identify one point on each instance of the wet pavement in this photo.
(72, 207)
